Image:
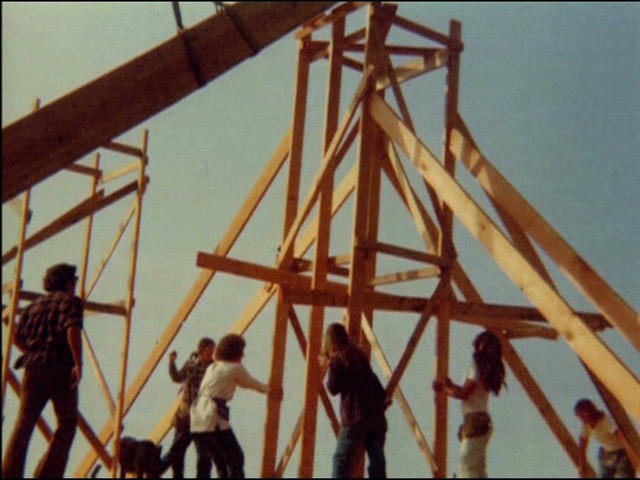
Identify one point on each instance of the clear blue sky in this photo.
(550, 93)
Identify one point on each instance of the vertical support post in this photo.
(316, 322)
(124, 355)
(16, 284)
(84, 263)
(278, 346)
(446, 249)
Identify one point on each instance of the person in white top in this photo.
(486, 374)
(614, 462)
(209, 413)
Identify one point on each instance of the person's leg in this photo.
(607, 464)
(473, 457)
(227, 444)
(174, 458)
(205, 443)
(623, 466)
(33, 398)
(374, 446)
(349, 439)
(65, 405)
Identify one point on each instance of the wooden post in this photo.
(272, 421)
(319, 279)
(17, 281)
(124, 355)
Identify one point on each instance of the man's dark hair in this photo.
(205, 342)
(58, 276)
(230, 348)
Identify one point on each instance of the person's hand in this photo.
(76, 375)
(172, 356)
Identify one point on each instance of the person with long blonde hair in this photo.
(485, 375)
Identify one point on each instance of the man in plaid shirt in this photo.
(48, 333)
(190, 375)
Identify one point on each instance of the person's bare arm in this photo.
(74, 339)
(456, 391)
(582, 455)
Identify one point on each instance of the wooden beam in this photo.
(329, 163)
(110, 308)
(60, 133)
(399, 396)
(313, 381)
(15, 291)
(414, 68)
(572, 265)
(405, 276)
(406, 253)
(71, 217)
(122, 148)
(420, 30)
(605, 365)
(323, 19)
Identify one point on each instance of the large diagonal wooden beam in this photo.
(604, 364)
(574, 267)
(40, 144)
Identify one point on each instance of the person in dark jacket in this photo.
(190, 376)
(362, 404)
(49, 334)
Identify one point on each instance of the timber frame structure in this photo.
(385, 141)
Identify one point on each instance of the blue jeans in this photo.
(367, 434)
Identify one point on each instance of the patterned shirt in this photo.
(190, 375)
(42, 330)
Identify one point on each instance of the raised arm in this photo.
(178, 376)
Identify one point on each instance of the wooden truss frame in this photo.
(379, 133)
(86, 211)
(383, 137)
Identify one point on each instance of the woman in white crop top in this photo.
(485, 374)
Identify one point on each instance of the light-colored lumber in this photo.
(405, 276)
(399, 396)
(328, 165)
(15, 291)
(65, 130)
(71, 217)
(406, 253)
(120, 172)
(292, 192)
(414, 68)
(312, 380)
(420, 30)
(84, 170)
(573, 266)
(109, 251)
(604, 364)
(110, 308)
(122, 148)
(321, 20)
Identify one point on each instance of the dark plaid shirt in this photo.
(42, 330)
(190, 375)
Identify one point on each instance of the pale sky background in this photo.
(550, 93)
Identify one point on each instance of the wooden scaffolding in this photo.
(101, 181)
(386, 144)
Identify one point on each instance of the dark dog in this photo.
(141, 457)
